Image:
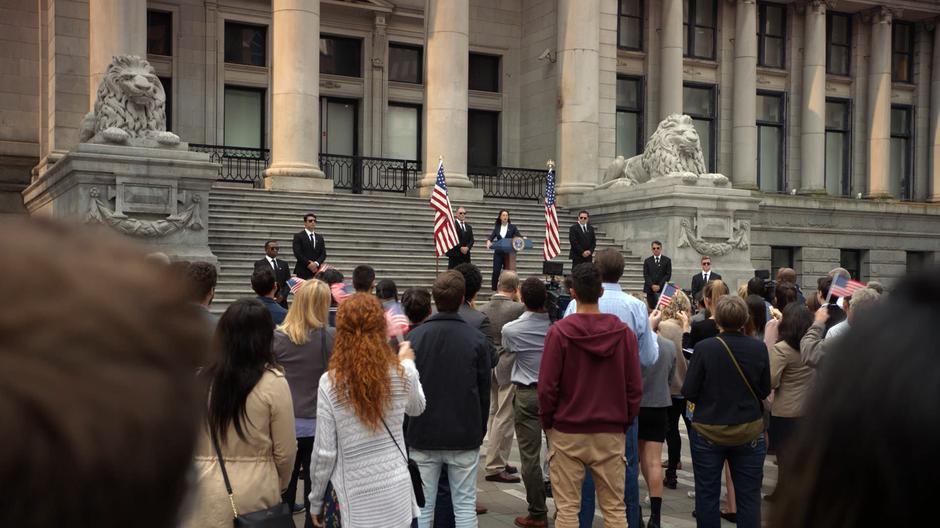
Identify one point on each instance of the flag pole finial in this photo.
(551, 164)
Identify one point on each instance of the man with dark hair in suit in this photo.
(582, 239)
(279, 267)
(657, 271)
(699, 280)
(309, 249)
(461, 252)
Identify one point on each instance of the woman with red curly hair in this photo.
(361, 405)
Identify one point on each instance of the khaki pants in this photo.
(499, 427)
(604, 455)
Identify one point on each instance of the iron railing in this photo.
(364, 173)
(508, 182)
(237, 164)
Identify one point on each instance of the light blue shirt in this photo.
(633, 313)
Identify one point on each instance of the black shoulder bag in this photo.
(279, 516)
(416, 483)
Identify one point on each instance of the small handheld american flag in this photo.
(552, 245)
(445, 234)
(294, 283)
(397, 321)
(666, 296)
(842, 286)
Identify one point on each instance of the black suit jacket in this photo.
(305, 252)
(581, 241)
(653, 274)
(465, 237)
(698, 282)
(511, 232)
(281, 276)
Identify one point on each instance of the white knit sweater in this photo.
(368, 472)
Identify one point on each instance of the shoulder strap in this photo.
(741, 372)
(393, 439)
(228, 484)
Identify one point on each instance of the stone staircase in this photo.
(390, 232)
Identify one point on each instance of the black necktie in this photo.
(313, 240)
(584, 229)
(657, 261)
(274, 264)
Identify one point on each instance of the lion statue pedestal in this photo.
(129, 173)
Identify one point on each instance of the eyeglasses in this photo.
(461, 212)
(706, 263)
(582, 218)
(274, 248)
(310, 220)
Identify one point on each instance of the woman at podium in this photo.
(502, 257)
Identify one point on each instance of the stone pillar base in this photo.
(297, 179)
(880, 196)
(158, 196)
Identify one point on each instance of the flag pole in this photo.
(437, 258)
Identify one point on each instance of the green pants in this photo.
(529, 435)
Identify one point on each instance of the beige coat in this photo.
(259, 467)
(791, 380)
(672, 330)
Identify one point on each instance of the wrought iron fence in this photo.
(509, 182)
(364, 173)
(237, 164)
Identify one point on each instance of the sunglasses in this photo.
(582, 218)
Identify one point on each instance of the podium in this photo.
(509, 247)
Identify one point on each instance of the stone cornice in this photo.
(881, 14)
(820, 6)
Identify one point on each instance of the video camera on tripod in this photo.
(558, 297)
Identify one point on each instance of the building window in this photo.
(901, 183)
(403, 123)
(771, 117)
(168, 91)
(245, 44)
(838, 147)
(918, 261)
(159, 33)
(244, 117)
(484, 72)
(781, 257)
(405, 63)
(341, 56)
(630, 137)
(483, 139)
(851, 260)
(630, 24)
(700, 20)
(771, 35)
(339, 126)
(902, 52)
(839, 43)
(698, 102)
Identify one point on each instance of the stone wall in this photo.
(538, 89)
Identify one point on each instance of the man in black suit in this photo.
(309, 249)
(582, 239)
(461, 252)
(657, 271)
(279, 267)
(699, 280)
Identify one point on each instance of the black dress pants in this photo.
(673, 440)
(301, 471)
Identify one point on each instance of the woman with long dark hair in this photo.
(250, 417)
(502, 228)
(361, 406)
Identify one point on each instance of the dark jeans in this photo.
(302, 471)
(443, 506)
(631, 489)
(673, 439)
(747, 472)
(498, 260)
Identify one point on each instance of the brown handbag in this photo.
(737, 434)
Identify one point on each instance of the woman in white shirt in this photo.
(502, 228)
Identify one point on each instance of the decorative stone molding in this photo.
(740, 238)
(189, 218)
(881, 15)
(819, 6)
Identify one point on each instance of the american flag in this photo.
(341, 291)
(294, 283)
(666, 296)
(552, 246)
(842, 286)
(445, 234)
(396, 320)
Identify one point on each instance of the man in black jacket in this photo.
(657, 271)
(699, 280)
(461, 252)
(453, 360)
(309, 249)
(582, 240)
(279, 267)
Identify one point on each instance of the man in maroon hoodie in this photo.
(589, 392)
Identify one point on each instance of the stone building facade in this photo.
(828, 110)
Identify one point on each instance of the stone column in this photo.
(578, 89)
(115, 27)
(813, 125)
(744, 118)
(934, 192)
(295, 98)
(879, 104)
(670, 76)
(446, 98)
(379, 99)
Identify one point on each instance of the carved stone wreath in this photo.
(189, 218)
(740, 239)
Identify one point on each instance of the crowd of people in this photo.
(380, 404)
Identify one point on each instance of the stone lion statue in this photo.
(131, 103)
(673, 148)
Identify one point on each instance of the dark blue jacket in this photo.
(278, 313)
(453, 359)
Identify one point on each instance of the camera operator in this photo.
(762, 286)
